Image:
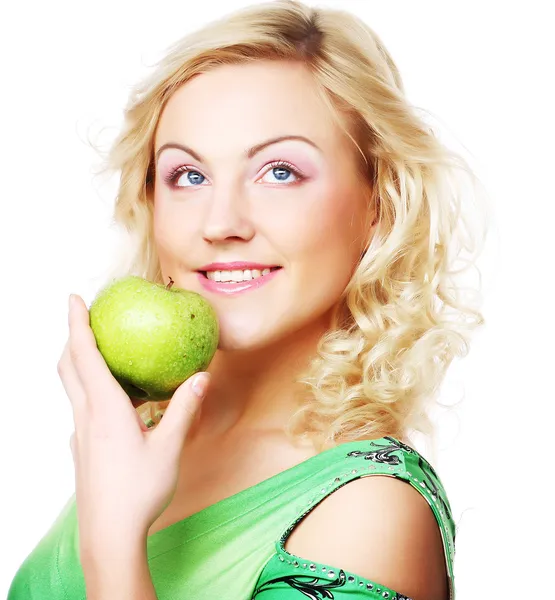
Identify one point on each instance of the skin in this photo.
(232, 208)
(116, 503)
(316, 231)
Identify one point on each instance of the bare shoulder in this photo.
(380, 528)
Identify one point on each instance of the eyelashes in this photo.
(173, 176)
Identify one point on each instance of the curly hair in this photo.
(403, 317)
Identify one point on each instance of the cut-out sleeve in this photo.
(289, 577)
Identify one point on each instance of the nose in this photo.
(227, 217)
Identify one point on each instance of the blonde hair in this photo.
(402, 318)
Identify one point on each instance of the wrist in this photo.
(115, 568)
(113, 544)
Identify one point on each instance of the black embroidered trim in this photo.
(384, 453)
(432, 485)
(311, 589)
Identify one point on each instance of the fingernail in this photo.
(200, 383)
(71, 301)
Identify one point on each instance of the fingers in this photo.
(72, 386)
(95, 376)
(182, 409)
(95, 393)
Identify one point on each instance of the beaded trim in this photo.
(332, 573)
(399, 471)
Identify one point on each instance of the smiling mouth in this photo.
(237, 276)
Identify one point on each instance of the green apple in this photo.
(153, 337)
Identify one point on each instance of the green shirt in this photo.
(234, 549)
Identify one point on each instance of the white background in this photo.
(481, 68)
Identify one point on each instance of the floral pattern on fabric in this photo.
(383, 454)
(314, 588)
(283, 578)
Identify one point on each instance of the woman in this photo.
(273, 164)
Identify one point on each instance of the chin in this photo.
(246, 336)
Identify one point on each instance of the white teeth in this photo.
(236, 276)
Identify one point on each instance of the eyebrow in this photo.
(248, 153)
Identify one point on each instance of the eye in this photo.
(282, 171)
(193, 177)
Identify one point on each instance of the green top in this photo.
(234, 549)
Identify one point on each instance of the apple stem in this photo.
(170, 283)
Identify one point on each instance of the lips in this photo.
(231, 288)
(272, 269)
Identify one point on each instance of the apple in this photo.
(153, 337)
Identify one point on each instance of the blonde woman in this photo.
(272, 163)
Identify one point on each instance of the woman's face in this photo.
(231, 195)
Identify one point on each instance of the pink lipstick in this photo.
(219, 278)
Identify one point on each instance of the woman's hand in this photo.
(125, 474)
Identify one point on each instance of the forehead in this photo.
(247, 103)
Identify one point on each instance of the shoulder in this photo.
(385, 528)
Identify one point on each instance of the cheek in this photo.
(336, 245)
(323, 240)
(327, 230)
(171, 229)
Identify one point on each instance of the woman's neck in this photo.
(256, 390)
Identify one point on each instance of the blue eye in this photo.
(194, 177)
(281, 170)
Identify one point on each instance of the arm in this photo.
(118, 570)
(381, 529)
(116, 505)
